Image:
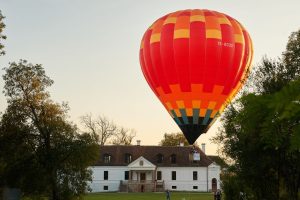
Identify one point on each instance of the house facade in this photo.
(154, 169)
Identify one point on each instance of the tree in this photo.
(272, 75)
(255, 164)
(267, 77)
(261, 130)
(124, 136)
(285, 105)
(42, 151)
(106, 131)
(2, 37)
(101, 128)
(291, 56)
(173, 139)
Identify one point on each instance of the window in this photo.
(195, 175)
(160, 158)
(126, 175)
(158, 175)
(106, 158)
(196, 156)
(141, 162)
(128, 158)
(105, 187)
(174, 187)
(173, 158)
(195, 187)
(105, 175)
(173, 175)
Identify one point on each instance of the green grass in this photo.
(149, 196)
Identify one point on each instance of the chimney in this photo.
(138, 142)
(203, 147)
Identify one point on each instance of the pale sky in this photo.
(90, 49)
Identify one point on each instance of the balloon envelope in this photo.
(195, 61)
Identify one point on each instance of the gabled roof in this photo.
(219, 161)
(141, 164)
(183, 155)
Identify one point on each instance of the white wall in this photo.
(213, 172)
(184, 178)
(115, 175)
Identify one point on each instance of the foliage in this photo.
(261, 131)
(291, 56)
(173, 139)
(41, 151)
(267, 77)
(231, 187)
(272, 75)
(2, 37)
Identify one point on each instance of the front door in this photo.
(143, 176)
(214, 185)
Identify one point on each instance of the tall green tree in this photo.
(291, 56)
(272, 75)
(261, 130)
(42, 151)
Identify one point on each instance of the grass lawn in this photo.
(149, 196)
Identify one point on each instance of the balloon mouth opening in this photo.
(193, 127)
(193, 131)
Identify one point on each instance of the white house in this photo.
(154, 168)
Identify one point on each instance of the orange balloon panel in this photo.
(195, 61)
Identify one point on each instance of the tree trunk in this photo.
(54, 195)
(293, 191)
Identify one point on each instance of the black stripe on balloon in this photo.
(193, 131)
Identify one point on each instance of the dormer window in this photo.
(106, 158)
(128, 158)
(173, 159)
(159, 158)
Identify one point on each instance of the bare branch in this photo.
(124, 136)
(101, 128)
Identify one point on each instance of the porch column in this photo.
(153, 178)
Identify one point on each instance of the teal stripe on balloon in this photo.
(184, 117)
(207, 116)
(175, 117)
(196, 115)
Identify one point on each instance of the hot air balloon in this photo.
(195, 61)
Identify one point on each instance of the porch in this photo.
(141, 177)
(142, 186)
